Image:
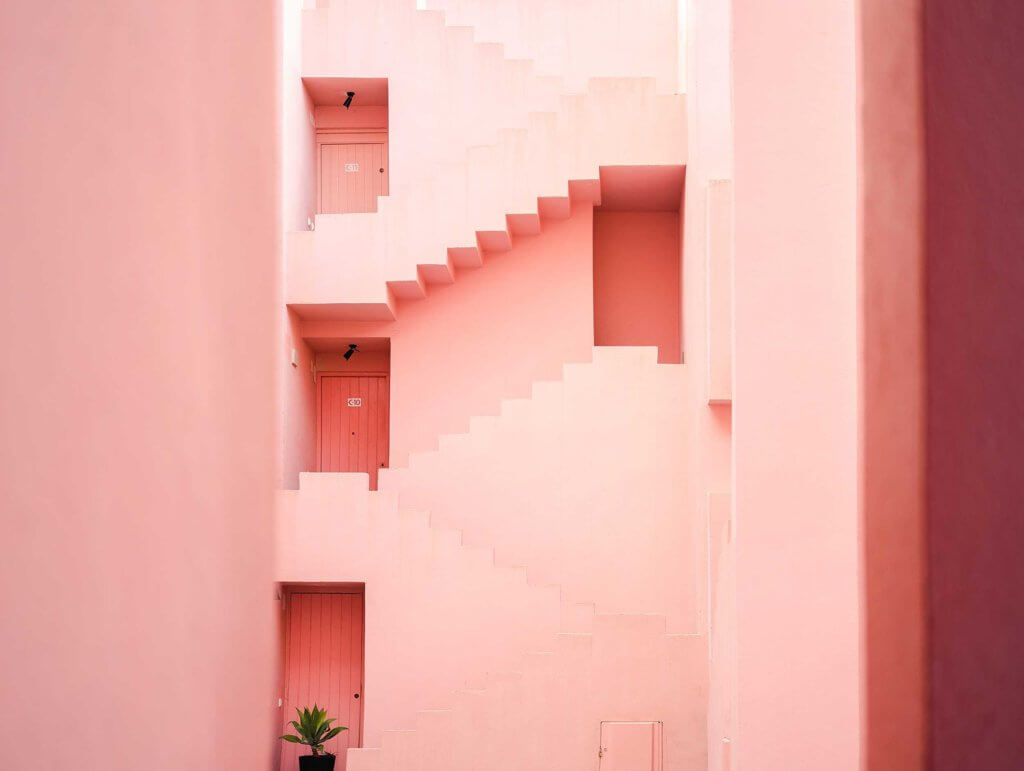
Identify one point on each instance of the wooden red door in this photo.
(323, 664)
(353, 424)
(351, 177)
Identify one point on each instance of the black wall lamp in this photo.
(352, 348)
(350, 95)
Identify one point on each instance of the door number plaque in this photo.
(355, 402)
(351, 167)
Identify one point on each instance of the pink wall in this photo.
(546, 483)
(488, 336)
(337, 117)
(637, 280)
(297, 201)
(297, 410)
(297, 177)
(136, 479)
(795, 386)
(973, 121)
(618, 38)
(708, 469)
(363, 362)
(488, 532)
(892, 384)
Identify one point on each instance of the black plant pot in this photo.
(316, 763)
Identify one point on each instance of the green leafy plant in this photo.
(313, 729)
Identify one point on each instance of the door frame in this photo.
(319, 411)
(336, 136)
(285, 592)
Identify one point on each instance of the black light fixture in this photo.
(352, 348)
(348, 101)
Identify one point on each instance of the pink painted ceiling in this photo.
(370, 92)
(642, 188)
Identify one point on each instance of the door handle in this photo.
(355, 695)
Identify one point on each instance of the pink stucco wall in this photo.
(795, 386)
(973, 119)
(138, 158)
(637, 280)
(296, 180)
(708, 465)
(297, 403)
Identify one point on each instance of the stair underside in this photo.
(618, 188)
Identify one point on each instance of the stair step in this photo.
(554, 207)
(465, 257)
(626, 355)
(493, 240)
(408, 289)
(577, 616)
(399, 750)
(434, 730)
(368, 759)
(523, 224)
(452, 442)
(440, 273)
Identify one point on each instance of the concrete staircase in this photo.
(475, 658)
(540, 573)
(616, 37)
(547, 714)
(461, 118)
(592, 446)
(340, 271)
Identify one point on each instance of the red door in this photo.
(323, 664)
(353, 424)
(351, 177)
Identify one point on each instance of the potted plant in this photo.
(313, 728)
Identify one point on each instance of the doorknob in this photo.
(355, 695)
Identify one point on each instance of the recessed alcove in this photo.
(350, 118)
(637, 258)
(352, 390)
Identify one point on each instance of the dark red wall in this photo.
(637, 280)
(974, 125)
